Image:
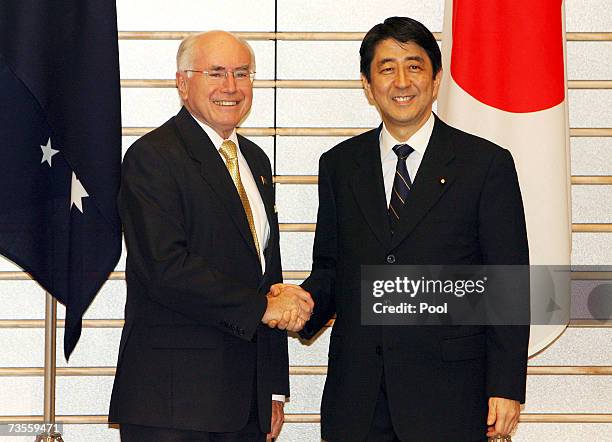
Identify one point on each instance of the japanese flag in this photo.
(504, 80)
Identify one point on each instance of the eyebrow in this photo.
(409, 58)
(222, 68)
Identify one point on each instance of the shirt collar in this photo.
(418, 141)
(215, 137)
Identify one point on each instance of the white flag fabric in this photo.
(504, 80)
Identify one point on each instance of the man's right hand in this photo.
(289, 307)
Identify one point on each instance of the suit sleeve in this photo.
(322, 279)
(279, 352)
(159, 255)
(279, 362)
(503, 241)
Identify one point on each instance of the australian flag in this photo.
(60, 147)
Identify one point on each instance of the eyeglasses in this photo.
(241, 76)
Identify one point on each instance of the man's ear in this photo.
(367, 89)
(181, 85)
(437, 82)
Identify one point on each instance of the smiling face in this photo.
(402, 86)
(220, 105)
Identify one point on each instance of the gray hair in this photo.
(184, 55)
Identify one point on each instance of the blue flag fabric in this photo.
(60, 147)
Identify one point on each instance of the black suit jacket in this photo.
(193, 341)
(438, 377)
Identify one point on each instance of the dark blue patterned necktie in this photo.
(401, 184)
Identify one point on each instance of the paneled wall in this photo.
(306, 100)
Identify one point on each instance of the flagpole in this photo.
(50, 370)
(50, 349)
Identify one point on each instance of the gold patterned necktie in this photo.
(229, 151)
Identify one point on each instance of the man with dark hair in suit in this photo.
(414, 191)
(197, 206)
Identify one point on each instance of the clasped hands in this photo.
(289, 307)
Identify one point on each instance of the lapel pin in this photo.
(442, 180)
(263, 179)
(275, 209)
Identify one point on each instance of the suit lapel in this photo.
(265, 189)
(435, 175)
(213, 170)
(369, 188)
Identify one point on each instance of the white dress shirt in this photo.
(418, 141)
(260, 218)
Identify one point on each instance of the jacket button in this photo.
(378, 350)
(391, 259)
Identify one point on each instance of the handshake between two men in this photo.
(289, 307)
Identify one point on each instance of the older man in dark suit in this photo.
(197, 205)
(414, 191)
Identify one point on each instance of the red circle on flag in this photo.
(508, 54)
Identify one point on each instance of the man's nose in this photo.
(229, 83)
(401, 79)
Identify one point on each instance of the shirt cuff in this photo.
(279, 397)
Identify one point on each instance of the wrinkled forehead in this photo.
(226, 51)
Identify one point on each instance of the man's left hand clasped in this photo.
(289, 307)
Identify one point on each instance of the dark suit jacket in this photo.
(193, 341)
(438, 377)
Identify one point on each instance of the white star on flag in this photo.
(77, 193)
(47, 152)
